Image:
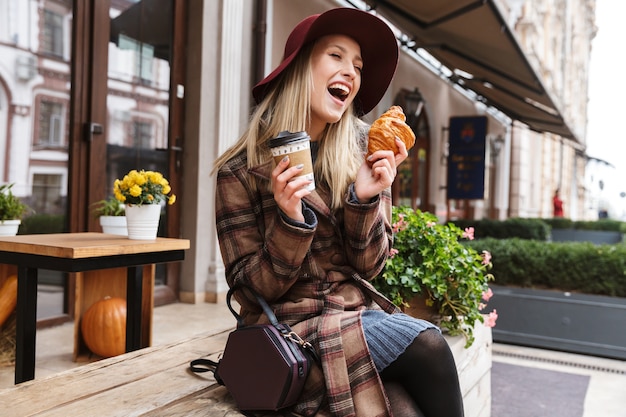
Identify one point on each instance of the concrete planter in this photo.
(474, 368)
(578, 323)
(594, 236)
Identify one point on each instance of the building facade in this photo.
(90, 89)
(556, 36)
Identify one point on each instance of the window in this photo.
(50, 124)
(141, 59)
(52, 36)
(47, 194)
(142, 135)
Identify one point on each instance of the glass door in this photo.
(411, 185)
(131, 119)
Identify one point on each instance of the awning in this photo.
(472, 39)
(148, 22)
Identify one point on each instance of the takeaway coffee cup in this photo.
(297, 145)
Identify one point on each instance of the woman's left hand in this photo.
(378, 172)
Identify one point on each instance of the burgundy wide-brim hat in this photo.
(379, 50)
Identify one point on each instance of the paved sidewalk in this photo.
(604, 393)
(605, 387)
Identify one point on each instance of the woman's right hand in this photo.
(371, 180)
(288, 192)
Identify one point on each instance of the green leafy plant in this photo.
(109, 207)
(428, 258)
(11, 207)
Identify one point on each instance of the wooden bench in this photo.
(155, 381)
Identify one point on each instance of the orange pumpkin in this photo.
(103, 326)
(8, 298)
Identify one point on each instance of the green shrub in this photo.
(608, 225)
(602, 224)
(535, 229)
(42, 223)
(569, 266)
(559, 223)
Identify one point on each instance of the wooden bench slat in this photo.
(154, 374)
(211, 401)
(149, 395)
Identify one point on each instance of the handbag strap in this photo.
(202, 365)
(266, 308)
(284, 329)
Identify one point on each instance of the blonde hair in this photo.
(287, 107)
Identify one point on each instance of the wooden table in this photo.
(78, 252)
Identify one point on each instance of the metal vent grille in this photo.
(591, 367)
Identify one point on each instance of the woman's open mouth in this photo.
(339, 91)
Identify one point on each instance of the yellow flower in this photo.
(138, 178)
(172, 199)
(135, 190)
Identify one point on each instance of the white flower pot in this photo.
(9, 227)
(143, 221)
(114, 225)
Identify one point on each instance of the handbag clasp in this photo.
(294, 337)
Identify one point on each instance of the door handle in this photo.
(92, 129)
(178, 152)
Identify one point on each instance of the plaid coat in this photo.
(315, 279)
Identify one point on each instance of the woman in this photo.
(311, 254)
(557, 204)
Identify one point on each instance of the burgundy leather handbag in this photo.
(264, 367)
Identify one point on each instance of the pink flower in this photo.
(487, 294)
(400, 225)
(469, 233)
(393, 252)
(490, 320)
(430, 224)
(486, 257)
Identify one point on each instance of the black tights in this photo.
(428, 373)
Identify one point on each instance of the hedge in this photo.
(568, 266)
(608, 225)
(534, 228)
(42, 223)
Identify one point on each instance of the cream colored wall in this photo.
(217, 102)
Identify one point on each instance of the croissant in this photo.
(384, 130)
